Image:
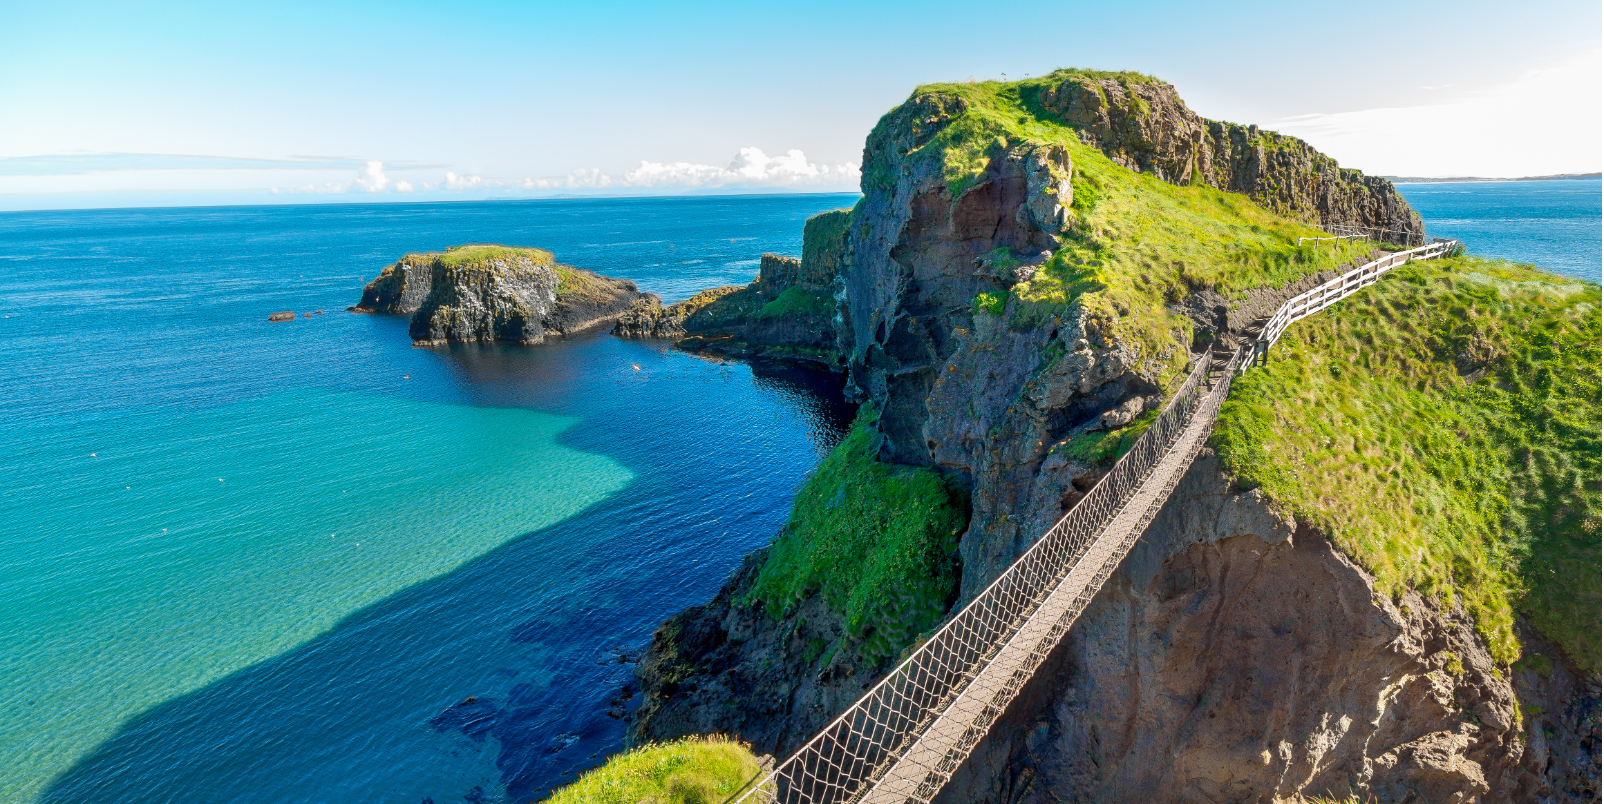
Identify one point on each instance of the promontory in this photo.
(1377, 581)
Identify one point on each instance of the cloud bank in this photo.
(1543, 122)
(80, 177)
(750, 169)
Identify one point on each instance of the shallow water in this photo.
(243, 561)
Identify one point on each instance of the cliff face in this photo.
(1144, 125)
(1237, 656)
(472, 294)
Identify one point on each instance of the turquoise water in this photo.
(1554, 224)
(243, 561)
(177, 548)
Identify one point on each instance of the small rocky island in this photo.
(484, 293)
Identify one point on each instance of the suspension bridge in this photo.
(902, 741)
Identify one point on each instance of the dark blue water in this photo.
(1554, 225)
(243, 561)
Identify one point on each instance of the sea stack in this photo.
(482, 293)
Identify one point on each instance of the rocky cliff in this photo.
(1143, 124)
(1239, 656)
(486, 293)
(1030, 270)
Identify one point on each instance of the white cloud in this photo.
(371, 177)
(1546, 121)
(751, 168)
(455, 182)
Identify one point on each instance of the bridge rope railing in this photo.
(841, 760)
(849, 758)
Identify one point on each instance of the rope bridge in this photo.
(906, 736)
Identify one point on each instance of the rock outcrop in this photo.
(486, 293)
(787, 312)
(1144, 125)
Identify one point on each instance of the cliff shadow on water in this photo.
(509, 674)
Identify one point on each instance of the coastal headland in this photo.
(1381, 577)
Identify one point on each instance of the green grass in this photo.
(1137, 243)
(878, 541)
(692, 770)
(464, 255)
(795, 301)
(1108, 445)
(990, 301)
(1487, 491)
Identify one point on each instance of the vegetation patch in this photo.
(692, 770)
(990, 301)
(824, 243)
(1136, 244)
(726, 306)
(878, 541)
(795, 301)
(457, 256)
(1442, 427)
(1110, 445)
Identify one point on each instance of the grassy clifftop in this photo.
(1443, 428)
(1136, 243)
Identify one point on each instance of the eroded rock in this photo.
(486, 293)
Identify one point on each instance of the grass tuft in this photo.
(691, 770)
(878, 541)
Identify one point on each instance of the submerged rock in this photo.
(485, 293)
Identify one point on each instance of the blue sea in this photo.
(254, 562)
(1553, 224)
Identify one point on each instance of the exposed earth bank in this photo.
(486, 293)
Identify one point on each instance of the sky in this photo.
(169, 103)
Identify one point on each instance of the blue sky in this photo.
(177, 102)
